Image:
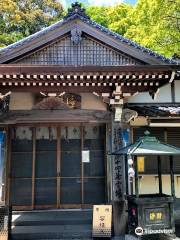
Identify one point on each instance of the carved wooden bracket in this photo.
(76, 36)
(66, 101)
(4, 102)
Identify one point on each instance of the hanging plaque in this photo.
(102, 220)
(85, 156)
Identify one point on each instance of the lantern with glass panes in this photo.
(148, 213)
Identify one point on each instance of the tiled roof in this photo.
(156, 110)
(76, 12)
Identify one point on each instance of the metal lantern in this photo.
(148, 213)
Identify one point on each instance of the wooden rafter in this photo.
(131, 79)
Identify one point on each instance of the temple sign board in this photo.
(102, 220)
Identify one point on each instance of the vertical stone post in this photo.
(120, 138)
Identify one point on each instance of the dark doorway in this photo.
(57, 166)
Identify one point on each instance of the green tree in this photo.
(20, 18)
(155, 24)
(99, 14)
(120, 18)
(114, 17)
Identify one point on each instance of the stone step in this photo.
(54, 224)
(46, 222)
(51, 232)
(51, 218)
(53, 213)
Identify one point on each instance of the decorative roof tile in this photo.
(78, 12)
(76, 9)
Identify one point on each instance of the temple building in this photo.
(69, 95)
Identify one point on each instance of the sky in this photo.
(99, 2)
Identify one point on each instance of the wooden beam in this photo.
(45, 116)
(77, 89)
(58, 69)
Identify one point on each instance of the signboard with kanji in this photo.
(140, 164)
(156, 215)
(102, 220)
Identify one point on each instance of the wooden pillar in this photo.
(159, 174)
(82, 165)
(33, 166)
(126, 175)
(58, 129)
(8, 169)
(172, 176)
(136, 177)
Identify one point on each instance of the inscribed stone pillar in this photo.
(120, 138)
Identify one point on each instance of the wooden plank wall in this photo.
(87, 52)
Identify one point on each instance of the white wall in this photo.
(149, 184)
(21, 101)
(177, 91)
(90, 101)
(164, 95)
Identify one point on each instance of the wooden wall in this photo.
(87, 52)
(26, 101)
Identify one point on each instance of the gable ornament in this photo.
(76, 9)
(76, 36)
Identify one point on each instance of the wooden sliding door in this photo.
(21, 167)
(71, 166)
(48, 169)
(45, 181)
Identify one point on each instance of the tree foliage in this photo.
(100, 15)
(20, 18)
(154, 24)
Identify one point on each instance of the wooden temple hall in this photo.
(67, 99)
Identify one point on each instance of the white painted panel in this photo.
(177, 186)
(177, 91)
(90, 101)
(149, 184)
(164, 95)
(21, 101)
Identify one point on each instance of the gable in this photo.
(83, 52)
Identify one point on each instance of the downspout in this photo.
(171, 81)
(172, 76)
